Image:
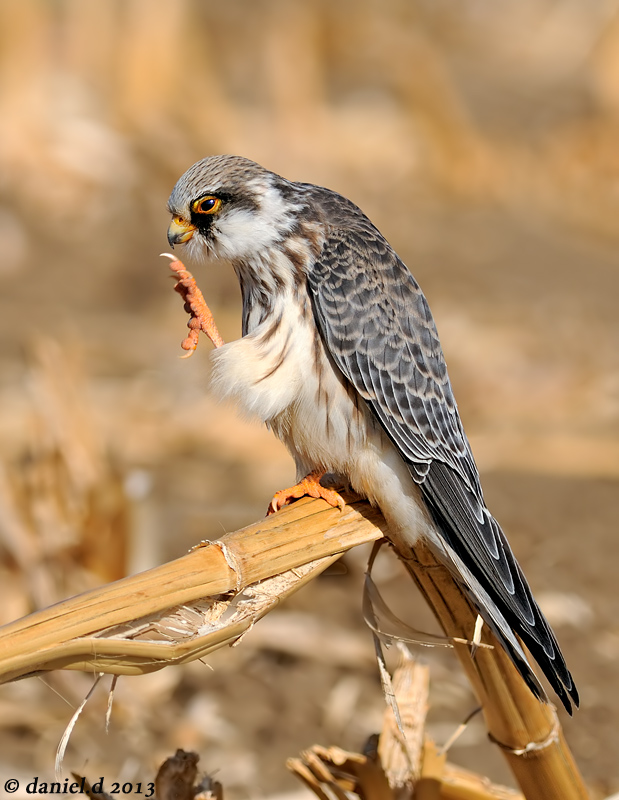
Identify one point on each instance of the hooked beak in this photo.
(180, 231)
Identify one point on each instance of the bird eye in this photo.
(207, 205)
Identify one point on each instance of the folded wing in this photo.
(377, 326)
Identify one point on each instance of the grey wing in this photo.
(377, 327)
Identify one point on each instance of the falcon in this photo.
(340, 357)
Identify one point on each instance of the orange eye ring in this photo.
(207, 205)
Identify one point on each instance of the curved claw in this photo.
(309, 486)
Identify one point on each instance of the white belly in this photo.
(288, 381)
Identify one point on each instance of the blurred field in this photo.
(482, 140)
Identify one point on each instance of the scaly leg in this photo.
(195, 306)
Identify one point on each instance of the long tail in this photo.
(484, 564)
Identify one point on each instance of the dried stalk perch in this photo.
(175, 613)
(520, 725)
(184, 609)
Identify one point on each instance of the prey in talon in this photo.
(340, 358)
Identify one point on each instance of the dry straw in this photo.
(188, 607)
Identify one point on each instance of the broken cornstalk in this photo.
(186, 608)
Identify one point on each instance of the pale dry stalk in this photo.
(173, 614)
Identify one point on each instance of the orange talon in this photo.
(309, 486)
(195, 305)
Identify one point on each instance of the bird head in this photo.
(230, 207)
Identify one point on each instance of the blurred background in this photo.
(482, 140)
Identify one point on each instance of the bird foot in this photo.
(195, 306)
(309, 486)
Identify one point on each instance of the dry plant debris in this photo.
(175, 780)
(100, 630)
(176, 612)
(63, 506)
(211, 597)
(386, 771)
(401, 742)
(554, 153)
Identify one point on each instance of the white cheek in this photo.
(240, 233)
